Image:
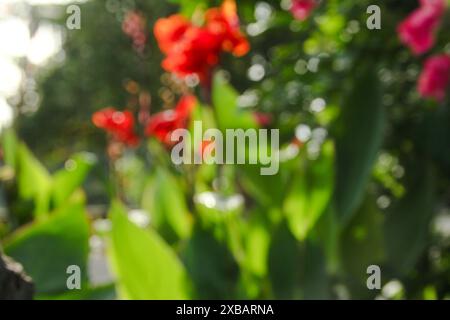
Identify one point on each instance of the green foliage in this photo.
(371, 193)
(69, 179)
(30, 170)
(359, 136)
(46, 248)
(164, 199)
(312, 188)
(362, 244)
(147, 268)
(224, 99)
(35, 183)
(407, 223)
(211, 265)
(284, 259)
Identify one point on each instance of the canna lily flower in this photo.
(170, 31)
(435, 78)
(196, 53)
(192, 49)
(162, 124)
(120, 124)
(224, 23)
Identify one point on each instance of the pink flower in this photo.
(134, 26)
(418, 30)
(435, 77)
(301, 9)
(438, 5)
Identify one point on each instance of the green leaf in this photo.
(408, 223)
(359, 137)
(145, 266)
(362, 243)
(164, 199)
(9, 147)
(257, 242)
(327, 232)
(46, 248)
(268, 190)
(284, 263)
(67, 180)
(33, 180)
(228, 116)
(211, 265)
(188, 7)
(314, 280)
(254, 267)
(312, 188)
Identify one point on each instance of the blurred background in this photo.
(364, 178)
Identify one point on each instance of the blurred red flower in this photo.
(170, 31)
(192, 49)
(223, 23)
(301, 9)
(435, 77)
(162, 124)
(418, 30)
(120, 124)
(197, 53)
(134, 26)
(262, 119)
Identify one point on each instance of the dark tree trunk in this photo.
(14, 283)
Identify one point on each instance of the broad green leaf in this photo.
(359, 137)
(165, 201)
(433, 134)
(362, 244)
(46, 248)
(408, 221)
(33, 180)
(67, 180)
(296, 270)
(269, 191)
(311, 190)
(211, 265)
(257, 241)
(254, 267)
(145, 266)
(314, 280)
(327, 233)
(284, 264)
(224, 99)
